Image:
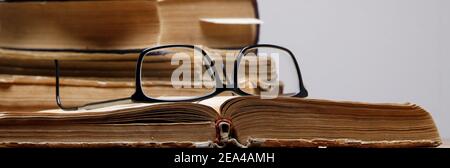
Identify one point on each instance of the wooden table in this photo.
(445, 143)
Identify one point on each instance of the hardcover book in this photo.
(126, 25)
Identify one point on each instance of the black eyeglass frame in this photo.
(140, 96)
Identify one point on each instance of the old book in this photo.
(119, 55)
(225, 121)
(20, 92)
(110, 25)
(27, 78)
(105, 64)
(83, 25)
(214, 23)
(118, 69)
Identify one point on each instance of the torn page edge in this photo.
(324, 143)
(206, 144)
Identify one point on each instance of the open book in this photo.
(225, 121)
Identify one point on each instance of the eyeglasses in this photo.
(263, 70)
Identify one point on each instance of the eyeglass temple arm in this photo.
(58, 97)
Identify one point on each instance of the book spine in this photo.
(224, 135)
(223, 130)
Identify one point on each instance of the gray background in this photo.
(368, 50)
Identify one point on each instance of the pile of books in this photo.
(98, 43)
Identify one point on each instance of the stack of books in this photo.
(98, 43)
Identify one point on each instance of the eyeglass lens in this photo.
(268, 71)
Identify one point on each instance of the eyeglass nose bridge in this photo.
(228, 83)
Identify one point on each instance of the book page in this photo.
(216, 102)
(299, 122)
